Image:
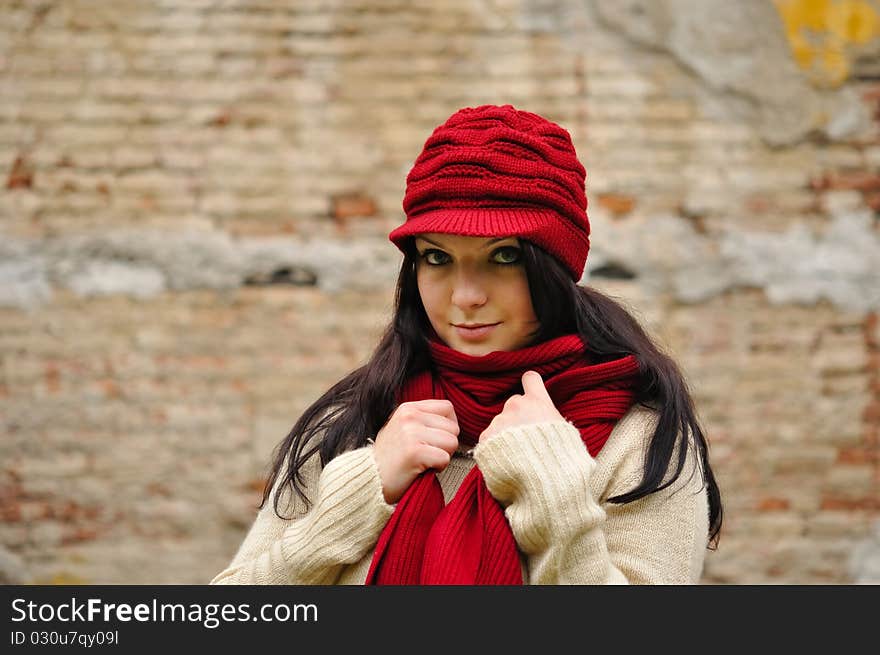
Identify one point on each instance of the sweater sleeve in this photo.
(542, 473)
(343, 523)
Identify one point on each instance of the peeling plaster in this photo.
(865, 559)
(13, 570)
(841, 265)
(741, 50)
(23, 276)
(99, 278)
(148, 261)
(666, 254)
(363, 265)
(144, 263)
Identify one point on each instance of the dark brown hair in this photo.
(355, 408)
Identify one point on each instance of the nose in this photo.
(468, 292)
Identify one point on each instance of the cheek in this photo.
(431, 294)
(528, 313)
(522, 305)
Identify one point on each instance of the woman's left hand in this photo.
(534, 405)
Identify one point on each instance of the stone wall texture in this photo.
(194, 211)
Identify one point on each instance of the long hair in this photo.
(358, 406)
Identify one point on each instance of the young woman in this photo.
(512, 426)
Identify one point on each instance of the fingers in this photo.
(435, 406)
(419, 435)
(431, 413)
(439, 439)
(439, 422)
(532, 382)
(436, 458)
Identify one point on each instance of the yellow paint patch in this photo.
(822, 33)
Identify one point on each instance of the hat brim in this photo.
(540, 226)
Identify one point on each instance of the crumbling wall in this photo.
(193, 247)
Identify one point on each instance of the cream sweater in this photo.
(555, 498)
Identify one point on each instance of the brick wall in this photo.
(193, 247)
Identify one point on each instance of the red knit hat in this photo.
(499, 171)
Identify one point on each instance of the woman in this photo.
(512, 426)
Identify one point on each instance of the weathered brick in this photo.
(852, 482)
(253, 119)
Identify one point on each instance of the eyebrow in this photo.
(485, 245)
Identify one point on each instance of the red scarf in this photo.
(469, 540)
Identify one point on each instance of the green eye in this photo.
(507, 255)
(435, 257)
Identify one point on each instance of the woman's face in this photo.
(475, 292)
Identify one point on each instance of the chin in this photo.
(476, 350)
(479, 348)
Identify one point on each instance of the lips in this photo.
(474, 331)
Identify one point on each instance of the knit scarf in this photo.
(469, 540)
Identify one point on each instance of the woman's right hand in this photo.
(421, 434)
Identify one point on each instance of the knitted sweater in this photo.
(555, 499)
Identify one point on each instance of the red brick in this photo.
(872, 199)
(53, 378)
(10, 512)
(158, 489)
(852, 505)
(858, 180)
(256, 484)
(616, 203)
(222, 119)
(773, 504)
(820, 182)
(857, 455)
(348, 205)
(254, 228)
(758, 204)
(79, 534)
(871, 336)
(111, 388)
(72, 512)
(775, 571)
(872, 412)
(871, 93)
(21, 176)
